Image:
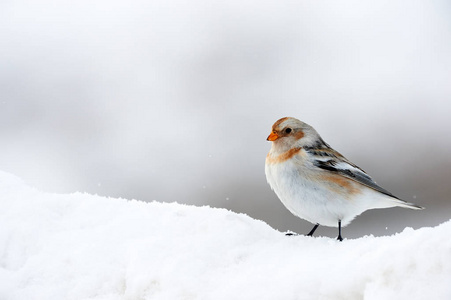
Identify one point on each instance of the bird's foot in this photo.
(339, 231)
(313, 230)
(290, 233)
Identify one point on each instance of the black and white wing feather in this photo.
(324, 157)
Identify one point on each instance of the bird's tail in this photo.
(392, 201)
(402, 203)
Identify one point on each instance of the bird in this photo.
(317, 183)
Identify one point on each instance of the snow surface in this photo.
(81, 246)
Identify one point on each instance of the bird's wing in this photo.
(328, 159)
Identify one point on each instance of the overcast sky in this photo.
(173, 100)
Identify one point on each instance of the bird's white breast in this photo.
(298, 185)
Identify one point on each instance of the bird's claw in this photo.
(290, 233)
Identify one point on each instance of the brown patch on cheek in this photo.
(340, 184)
(299, 135)
(283, 157)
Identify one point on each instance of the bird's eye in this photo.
(288, 130)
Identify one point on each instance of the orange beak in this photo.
(272, 136)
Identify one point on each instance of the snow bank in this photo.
(82, 246)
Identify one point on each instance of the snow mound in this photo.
(82, 246)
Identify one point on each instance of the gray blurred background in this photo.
(173, 100)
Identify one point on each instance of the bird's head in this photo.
(287, 133)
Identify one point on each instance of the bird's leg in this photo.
(313, 230)
(339, 231)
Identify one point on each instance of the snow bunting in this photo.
(318, 184)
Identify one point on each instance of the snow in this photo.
(82, 246)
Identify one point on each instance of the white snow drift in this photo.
(81, 246)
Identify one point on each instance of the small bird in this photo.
(318, 184)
